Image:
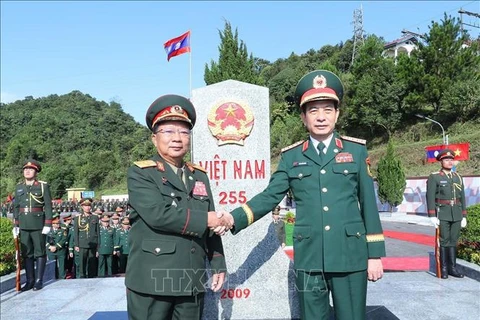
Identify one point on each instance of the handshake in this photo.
(220, 222)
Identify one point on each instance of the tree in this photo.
(233, 62)
(391, 178)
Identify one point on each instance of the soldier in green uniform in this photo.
(69, 261)
(33, 220)
(447, 209)
(86, 231)
(337, 238)
(122, 247)
(105, 247)
(116, 227)
(173, 209)
(57, 246)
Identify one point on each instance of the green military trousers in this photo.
(104, 261)
(59, 258)
(449, 233)
(349, 293)
(142, 306)
(87, 263)
(33, 243)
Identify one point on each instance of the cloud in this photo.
(6, 97)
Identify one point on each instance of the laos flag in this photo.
(178, 45)
(460, 150)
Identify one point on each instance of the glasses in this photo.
(171, 132)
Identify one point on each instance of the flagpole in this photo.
(190, 84)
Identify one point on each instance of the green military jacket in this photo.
(86, 231)
(337, 226)
(169, 237)
(57, 238)
(446, 195)
(33, 206)
(106, 240)
(121, 241)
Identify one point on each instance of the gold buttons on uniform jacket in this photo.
(157, 250)
(345, 171)
(327, 228)
(322, 171)
(300, 175)
(324, 190)
(172, 194)
(325, 208)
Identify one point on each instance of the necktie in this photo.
(320, 148)
(180, 174)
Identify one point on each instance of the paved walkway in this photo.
(406, 295)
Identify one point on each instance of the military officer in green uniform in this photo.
(57, 246)
(447, 210)
(33, 220)
(86, 231)
(69, 261)
(122, 247)
(105, 247)
(173, 209)
(116, 227)
(337, 238)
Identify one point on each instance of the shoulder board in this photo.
(361, 141)
(296, 144)
(436, 172)
(44, 182)
(145, 163)
(195, 166)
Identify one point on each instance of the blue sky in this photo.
(113, 50)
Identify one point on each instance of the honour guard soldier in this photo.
(105, 247)
(33, 220)
(57, 246)
(173, 209)
(86, 231)
(447, 209)
(122, 247)
(337, 238)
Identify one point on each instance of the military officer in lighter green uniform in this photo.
(337, 238)
(86, 231)
(105, 247)
(57, 246)
(33, 220)
(173, 209)
(447, 209)
(122, 247)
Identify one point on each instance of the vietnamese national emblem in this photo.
(230, 122)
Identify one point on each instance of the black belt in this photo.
(448, 202)
(31, 209)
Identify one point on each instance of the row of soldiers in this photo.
(74, 206)
(89, 245)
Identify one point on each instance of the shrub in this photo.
(469, 242)
(7, 247)
(290, 217)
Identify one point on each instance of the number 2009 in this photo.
(232, 197)
(235, 293)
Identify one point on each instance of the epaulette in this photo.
(195, 166)
(296, 144)
(361, 141)
(42, 181)
(436, 172)
(145, 163)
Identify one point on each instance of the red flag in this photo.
(461, 151)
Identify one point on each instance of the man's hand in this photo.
(435, 221)
(375, 269)
(71, 254)
(77, 249)
(226, 224)
(220, 219)
(463, 224)
(217, 281)
(53, 248)
(46, 230)
(15, 232)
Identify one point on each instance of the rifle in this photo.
(437, 251)
(19, 265)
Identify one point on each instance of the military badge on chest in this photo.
(200, 189)
(344, 157)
